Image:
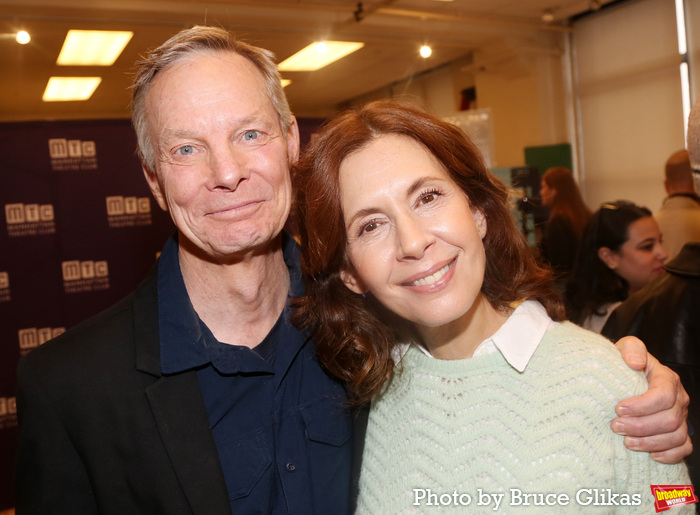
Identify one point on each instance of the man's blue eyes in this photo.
(247, 136)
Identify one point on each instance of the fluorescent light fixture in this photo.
(93, 47)
(61, 89)
(317, 55)
(685, 96)
(680, 28)
(286, 82)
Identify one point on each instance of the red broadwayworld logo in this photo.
(672, 496)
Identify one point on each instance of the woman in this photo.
(567, 218)
(406, 237)
(620, 253)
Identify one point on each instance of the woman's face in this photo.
(413, 240)
(641, 258)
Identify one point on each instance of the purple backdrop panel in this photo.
(78, 231)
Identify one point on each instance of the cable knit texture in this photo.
(464, 425)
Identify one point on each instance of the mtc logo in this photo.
(119, 205)
(28, 213)
(8, 406)
(76, 270)
(62, 148)
(33, 337)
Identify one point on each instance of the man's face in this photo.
(222, 161)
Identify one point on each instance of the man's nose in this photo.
(228, 169)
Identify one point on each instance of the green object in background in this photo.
(546, 156)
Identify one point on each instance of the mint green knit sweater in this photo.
(447, 432)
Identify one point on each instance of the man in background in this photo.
(664, 314)
(679, 216)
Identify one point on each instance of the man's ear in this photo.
(293, 141)
(352, 282)
(480, 221)
(156, 187)
(609, 257)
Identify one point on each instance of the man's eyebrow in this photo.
(239, 123)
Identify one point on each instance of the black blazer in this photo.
(101, 431)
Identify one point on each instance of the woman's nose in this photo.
(413, 238)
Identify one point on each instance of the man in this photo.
(194, 394)
(144, 409)
(679, 216)
(665, 312)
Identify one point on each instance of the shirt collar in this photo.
(517, 339)
(182, 341)
(185, 341)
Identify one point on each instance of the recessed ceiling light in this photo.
(547, 16)
(425, 51)
(70, 88)
(93, 47)
(23, 37)
(317, 55)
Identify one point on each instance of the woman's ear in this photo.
(352, 282)
(609, 257)
(480, 221)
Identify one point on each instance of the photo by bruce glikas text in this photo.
(425, 497)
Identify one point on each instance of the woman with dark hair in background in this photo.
(568, 216)
(621, 252)
(409, 253)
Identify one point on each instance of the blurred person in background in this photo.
(679, 216)
(620, 253)
(664, 312)
(561, 235)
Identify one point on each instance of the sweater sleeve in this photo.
(612, 380)
(635, 472)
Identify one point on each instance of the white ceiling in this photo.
(393, 30)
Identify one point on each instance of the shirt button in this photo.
(291, 467)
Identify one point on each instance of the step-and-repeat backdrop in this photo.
(79, 230)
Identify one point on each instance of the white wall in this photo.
(627, 86)
(631, 114)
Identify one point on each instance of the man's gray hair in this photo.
(198, 40)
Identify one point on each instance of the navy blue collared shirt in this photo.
(280, 424)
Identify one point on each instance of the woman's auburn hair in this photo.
(355, 336)
(567, 201)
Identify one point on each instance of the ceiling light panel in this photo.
(317, 55)
(61, 89)
(93, 47)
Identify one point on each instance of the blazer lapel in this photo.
(178, 409)
(183, 424)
